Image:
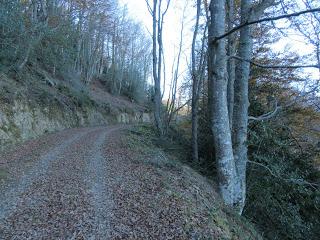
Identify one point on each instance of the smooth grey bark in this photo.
(241, 103)
(231, 67)
(241, 97)
(157, 26)
(219, 113)
(195, 89)
(157, 90)
(160, 47)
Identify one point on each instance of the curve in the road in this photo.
(65, 194)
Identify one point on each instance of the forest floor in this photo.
(99, 94)
(107, 183)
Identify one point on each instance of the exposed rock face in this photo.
(146, 118)
(23, 120)
(139, 117)
(123, 118)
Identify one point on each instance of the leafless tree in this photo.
(158, 15)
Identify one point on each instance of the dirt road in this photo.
(56, 187)
(104, 183)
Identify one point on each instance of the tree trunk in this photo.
(228, 182)
(240, 120)
(157, 89)
(231, 48)
(195, 89)
(241, 97)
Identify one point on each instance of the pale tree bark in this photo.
(160, 47)
(209, 87)
(231, 67)
(157, 51)
(241, 103)
(195, 89)
(241, 98)
(156, 79)
(231, 156)
(219, 113)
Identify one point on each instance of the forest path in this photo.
(56, 187)
(106, 183)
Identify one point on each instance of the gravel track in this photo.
(64, 193)
(104, 183)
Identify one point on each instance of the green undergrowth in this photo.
(202, 208)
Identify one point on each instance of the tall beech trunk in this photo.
(231, 49)
(241, 103)
(249, 12)
(217, 66)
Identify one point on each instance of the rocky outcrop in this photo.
(24, 120)
(139, 117)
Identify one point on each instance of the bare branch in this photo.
(167, 7)
(149, 7)
(290, 180)
(275, 66)
(273, 113)
(264, 20)
(182, 106)
(266, 116)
